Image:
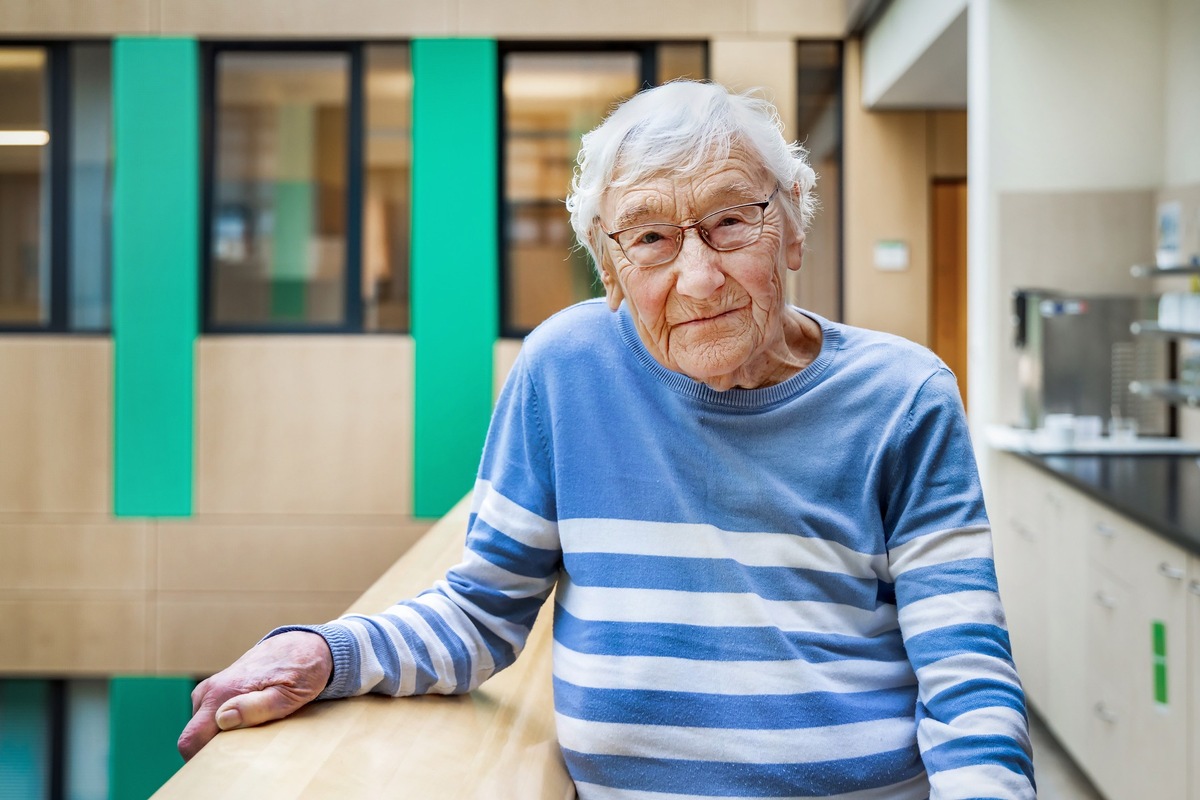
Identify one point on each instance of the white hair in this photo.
(679, 128)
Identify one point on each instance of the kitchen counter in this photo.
(1161, 492)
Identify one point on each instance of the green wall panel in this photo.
(146, 716)
(156, 220)
(454, 263)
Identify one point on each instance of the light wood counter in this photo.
(497, 742)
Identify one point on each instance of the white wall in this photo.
(1182, 96)
(1077, 94)
(1066, 97)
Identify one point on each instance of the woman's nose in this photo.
(698, 267)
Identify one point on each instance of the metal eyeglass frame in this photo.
(683, 229)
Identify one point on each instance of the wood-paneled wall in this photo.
(579, 19)
(303, 486)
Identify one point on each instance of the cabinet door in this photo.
(1193, 674)
(1108, 721)
(1021, 555)
(1138, 642)
(1066, 706)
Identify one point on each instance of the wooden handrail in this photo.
(497, 742)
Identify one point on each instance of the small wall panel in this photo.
(204, 633)
(74, 556)
(55, 425)
(305, 18)
(89, 633)
(48, 17)
(813, 19)
(334, 556)
(304, 425)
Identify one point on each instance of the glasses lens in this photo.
(732, 228)
(648, 245)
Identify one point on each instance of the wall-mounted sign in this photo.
(891, 255)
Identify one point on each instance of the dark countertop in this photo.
(1160, 492)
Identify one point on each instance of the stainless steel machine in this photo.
(1077, 355)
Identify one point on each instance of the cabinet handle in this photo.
(1106, 600)
(1174, 573)
(1105, 530)
(1103, 712)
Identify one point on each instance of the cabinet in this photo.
(1194, 676)
(1181, 393)
(1104, 617)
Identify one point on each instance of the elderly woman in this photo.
(773, 566)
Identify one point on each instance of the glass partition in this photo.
(551, 97)
(278, 213)
(388, 171)
(24, 186)
(90, 239)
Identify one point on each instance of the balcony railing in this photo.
(497, 742)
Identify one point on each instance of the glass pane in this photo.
(551, 100)
(279, 197)
(87, 740)
(24, 739)
(682, 60)
(91, 185)
(386, 204)
(24, 186)
(818, 287)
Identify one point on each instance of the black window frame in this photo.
(647, 52)
(58, 100)
(353, 314)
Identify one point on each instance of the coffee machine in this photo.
(1076, 354)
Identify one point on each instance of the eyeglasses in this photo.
(728, 229)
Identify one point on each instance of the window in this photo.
(55, 187)
(307, 214)
(818, 287)
(552, 95)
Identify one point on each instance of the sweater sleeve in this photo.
(472, 624)
(972, 728)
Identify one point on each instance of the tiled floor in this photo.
(1058, 778)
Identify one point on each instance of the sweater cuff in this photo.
(344, 648)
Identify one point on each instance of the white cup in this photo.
(1058, 431)
(1088, 429)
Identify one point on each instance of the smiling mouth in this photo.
(713, 318)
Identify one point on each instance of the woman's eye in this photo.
(649, 237)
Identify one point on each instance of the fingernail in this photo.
(229, 719)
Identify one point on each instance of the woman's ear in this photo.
(795, 245)
(612, 287)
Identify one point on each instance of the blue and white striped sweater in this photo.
(782, 592)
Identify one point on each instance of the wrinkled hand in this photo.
(270, 681)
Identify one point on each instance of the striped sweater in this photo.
(779, 592)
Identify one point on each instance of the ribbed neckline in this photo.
(831, 341)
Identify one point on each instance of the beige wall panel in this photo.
(613, 19)
(304, 425)
(74, 17)
(504, 355)
(84, 633)
(200, 634)
(803, 19)
(948, 144)
(743, 63)
(55, 425)
(886, 197)
(307, 18)
(66, 556)
(200, 555)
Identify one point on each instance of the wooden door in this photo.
(948, 276)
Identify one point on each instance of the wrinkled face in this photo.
(712, 316)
